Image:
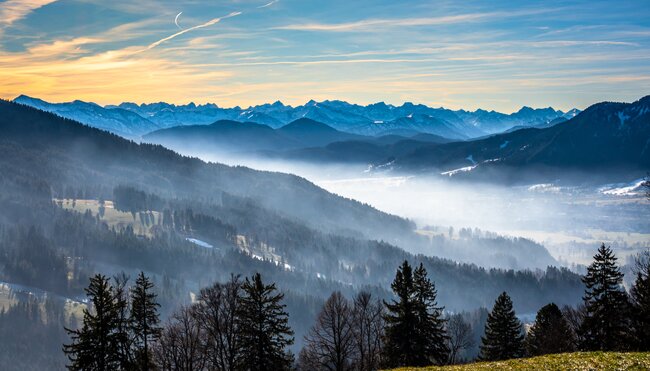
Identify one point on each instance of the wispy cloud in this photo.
(179, 33)
(14, 10)
(570, 43)
(379, 24)
(267, 4)
(63, 48)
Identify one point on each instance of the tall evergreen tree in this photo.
(605, 325)
(263, 328)
(550, 333)
(503, 337)
(640, 295)
(96, 345)
(401, 348)
(431, 334)
(144, 320)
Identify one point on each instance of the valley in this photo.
(290, 185)
(568, 218)
(219, 204)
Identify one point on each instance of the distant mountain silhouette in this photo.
(606, 136)
(379, 119)
(313, 133)
(232, 136)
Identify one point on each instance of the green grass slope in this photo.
(566, 361)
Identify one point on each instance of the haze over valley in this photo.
(567, 211)
(342, 186)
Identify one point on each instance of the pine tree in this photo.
(144, 320)
(503, 337)
(95, 345)
(263, 328)
(606, 324)
(401, 348)
(640, 295)
(431, 334)
(550, 333)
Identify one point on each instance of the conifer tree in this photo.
(605, 325)
(144, 320)
(431, 334)
(263, 328)
(640, 295)
(550, 333)
(503, 337)
(401, 348)
(95, 345)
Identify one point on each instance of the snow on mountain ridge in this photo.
(341, 115)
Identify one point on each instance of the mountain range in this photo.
(379, 119)
(305, 232)
(607, 137)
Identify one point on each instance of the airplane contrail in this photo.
(186, 30)
(176, 20)
(267, 5)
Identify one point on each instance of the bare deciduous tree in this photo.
(368, 330)
(574, 317)
(330, 345)
(216, 312)
(460, 337)
(180, 345)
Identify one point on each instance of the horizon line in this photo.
(304, 104)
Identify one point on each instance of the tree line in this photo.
(243, 325)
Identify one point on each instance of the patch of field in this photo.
(76, 309)
(566, 361)
(261, 252)
(9, 293)
(141, 222)
(7, 298)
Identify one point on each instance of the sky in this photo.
(469, 54)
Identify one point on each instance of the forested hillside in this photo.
(307, 241)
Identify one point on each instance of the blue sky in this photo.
(470, 54)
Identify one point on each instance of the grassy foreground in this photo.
(566, 361)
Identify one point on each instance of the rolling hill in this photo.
(233, 136)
